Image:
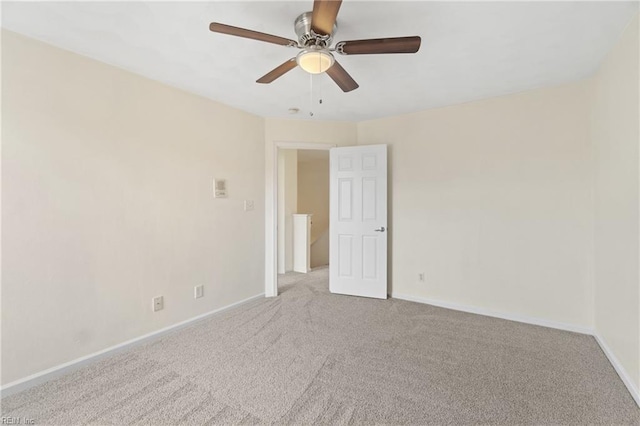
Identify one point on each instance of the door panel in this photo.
(346, 199)
(345, 256)
(369, 257)
(369, 199)
(358, 221)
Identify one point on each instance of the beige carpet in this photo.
(312, 357)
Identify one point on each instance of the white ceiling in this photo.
(470, 50)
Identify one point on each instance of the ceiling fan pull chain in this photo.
(311, 95)
(319, 84)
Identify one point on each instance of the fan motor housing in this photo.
(307, 37)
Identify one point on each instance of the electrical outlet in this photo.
(248, 205)
(421, 277)
(157, 303)
(198, 291)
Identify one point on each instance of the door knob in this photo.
(381, 229)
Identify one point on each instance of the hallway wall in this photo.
(313, 197)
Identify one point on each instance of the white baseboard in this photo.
(62, 369)
(635, 394)
(626, 379)
(501, 315)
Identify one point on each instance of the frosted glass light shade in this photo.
(315, 61)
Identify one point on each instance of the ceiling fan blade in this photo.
(255, 35)
(324, 15)
(278, 71)
(379, 45)
(342, 78)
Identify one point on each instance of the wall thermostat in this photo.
(219, 188)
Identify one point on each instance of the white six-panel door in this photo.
(358, 221)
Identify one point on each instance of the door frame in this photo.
(271, 213)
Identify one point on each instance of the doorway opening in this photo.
(271, 234)
(302, 213)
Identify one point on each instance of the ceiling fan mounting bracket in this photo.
(307, 37)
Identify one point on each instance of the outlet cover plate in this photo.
(157, 303)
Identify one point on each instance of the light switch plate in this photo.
(248, 205)
(198, 291)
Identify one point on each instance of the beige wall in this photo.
(492, 201)
(313, 197)
(107, 202)
(616, 134)
(340, 133)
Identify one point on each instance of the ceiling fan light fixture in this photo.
(315, 61)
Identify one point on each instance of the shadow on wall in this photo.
(320, 250)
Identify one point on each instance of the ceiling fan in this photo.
(315, 31)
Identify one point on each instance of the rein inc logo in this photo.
(16, 421)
